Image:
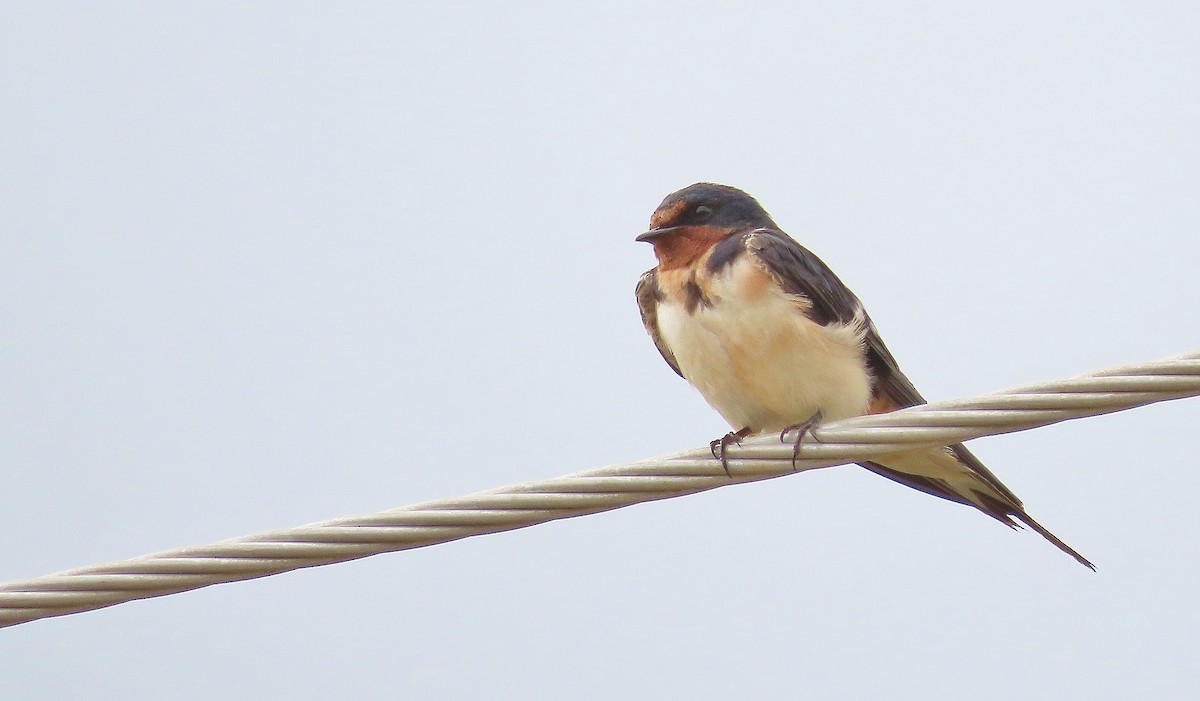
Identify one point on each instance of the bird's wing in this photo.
(893, 390)
(648, 297)
(801, 272)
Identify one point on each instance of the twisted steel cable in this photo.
(602, 489)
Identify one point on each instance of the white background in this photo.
(266, 265)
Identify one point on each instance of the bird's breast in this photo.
(753, 353)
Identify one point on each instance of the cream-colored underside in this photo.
(941, 464)
(755, 356)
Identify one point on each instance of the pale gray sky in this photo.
(266, 265)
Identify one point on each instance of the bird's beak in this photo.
(652, 234)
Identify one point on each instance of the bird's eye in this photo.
(701, 212)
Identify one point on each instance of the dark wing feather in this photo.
(889, 381)
(892, 384)
(648, 297)
(801, 272)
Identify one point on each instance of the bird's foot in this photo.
(719, 446)
(802, 429)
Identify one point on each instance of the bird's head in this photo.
(694, 219)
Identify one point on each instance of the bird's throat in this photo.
(682, 248)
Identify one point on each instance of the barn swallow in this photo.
(774, 341)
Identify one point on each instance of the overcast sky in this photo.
(270, 264)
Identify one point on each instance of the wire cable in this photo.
(593, 491)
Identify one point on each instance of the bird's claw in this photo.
(719, 447)
(803, 428)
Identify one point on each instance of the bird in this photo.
(775, 341)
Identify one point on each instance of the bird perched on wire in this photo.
(774, 341)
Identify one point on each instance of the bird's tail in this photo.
(955, 474)
(1006, 512)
